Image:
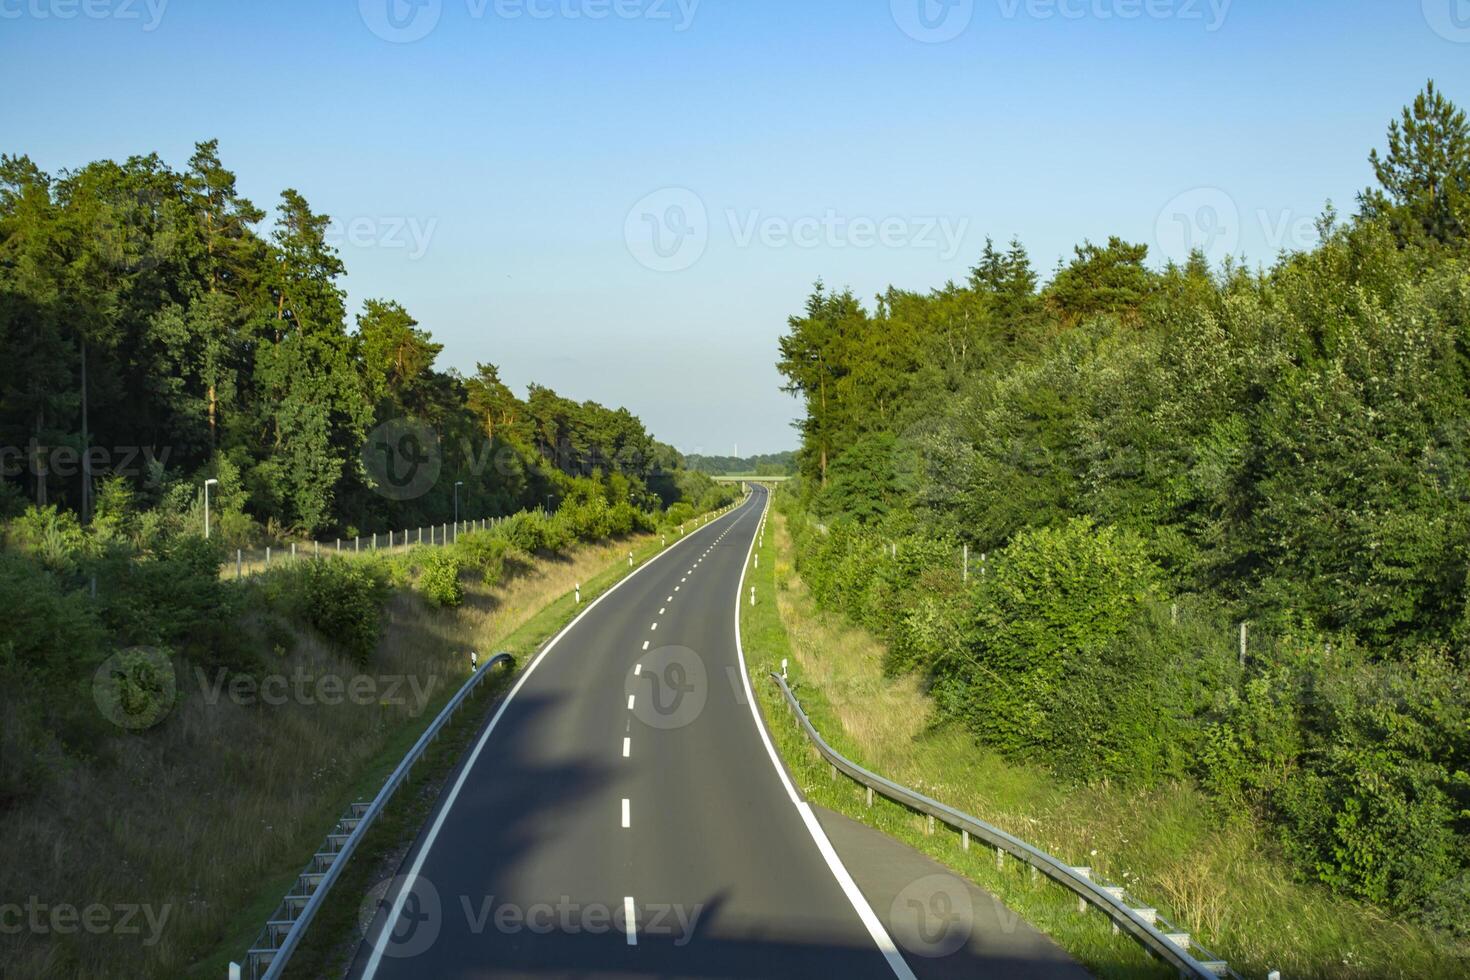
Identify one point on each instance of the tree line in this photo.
(157, 333)
(1149, 457)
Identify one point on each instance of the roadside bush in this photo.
(486, 553)
(439, 579)
(341, 598)
(1051, 609)
(50, 632)
(50, 536)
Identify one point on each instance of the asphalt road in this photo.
(623, 814)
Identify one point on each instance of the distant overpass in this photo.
(752, 479)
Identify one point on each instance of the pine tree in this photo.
(1424, 178)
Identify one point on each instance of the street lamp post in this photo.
(207, 484)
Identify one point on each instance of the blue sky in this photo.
(625, 199)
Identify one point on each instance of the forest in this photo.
(1217, 519)
(157, 334)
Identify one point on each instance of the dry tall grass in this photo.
(202, 821)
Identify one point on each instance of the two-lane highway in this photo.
(623, 813)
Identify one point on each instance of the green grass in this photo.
(1216, 874)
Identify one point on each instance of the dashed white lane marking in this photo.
(653, 627)
(676, 588)
(630, 701)
(627, 815)
(663, 610)
(394, 913)
(627, 747)
(669, 599)
(630, 920)
(645, 644)
(637, 669)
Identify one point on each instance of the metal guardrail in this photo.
(1152, 931)
(274, 956)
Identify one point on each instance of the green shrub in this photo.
(49, 632)
(486, 553)
(439, 579)
(1051, 608)
(341, 598)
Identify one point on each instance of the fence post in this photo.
(293, 550)
(316, 549)
(267, 556)
(357, 545)
(239, 564)
(966, 564)
(1242, 644)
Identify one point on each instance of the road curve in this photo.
(623, 813)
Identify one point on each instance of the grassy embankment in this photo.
(204, 820)
(1222, 876)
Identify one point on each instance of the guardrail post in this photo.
(1000, 859)
(870, 796)
(964, 839)
(1082, 902)
(931, 825)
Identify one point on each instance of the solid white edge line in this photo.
(630, 920)
(408, 880)
(849, 887)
